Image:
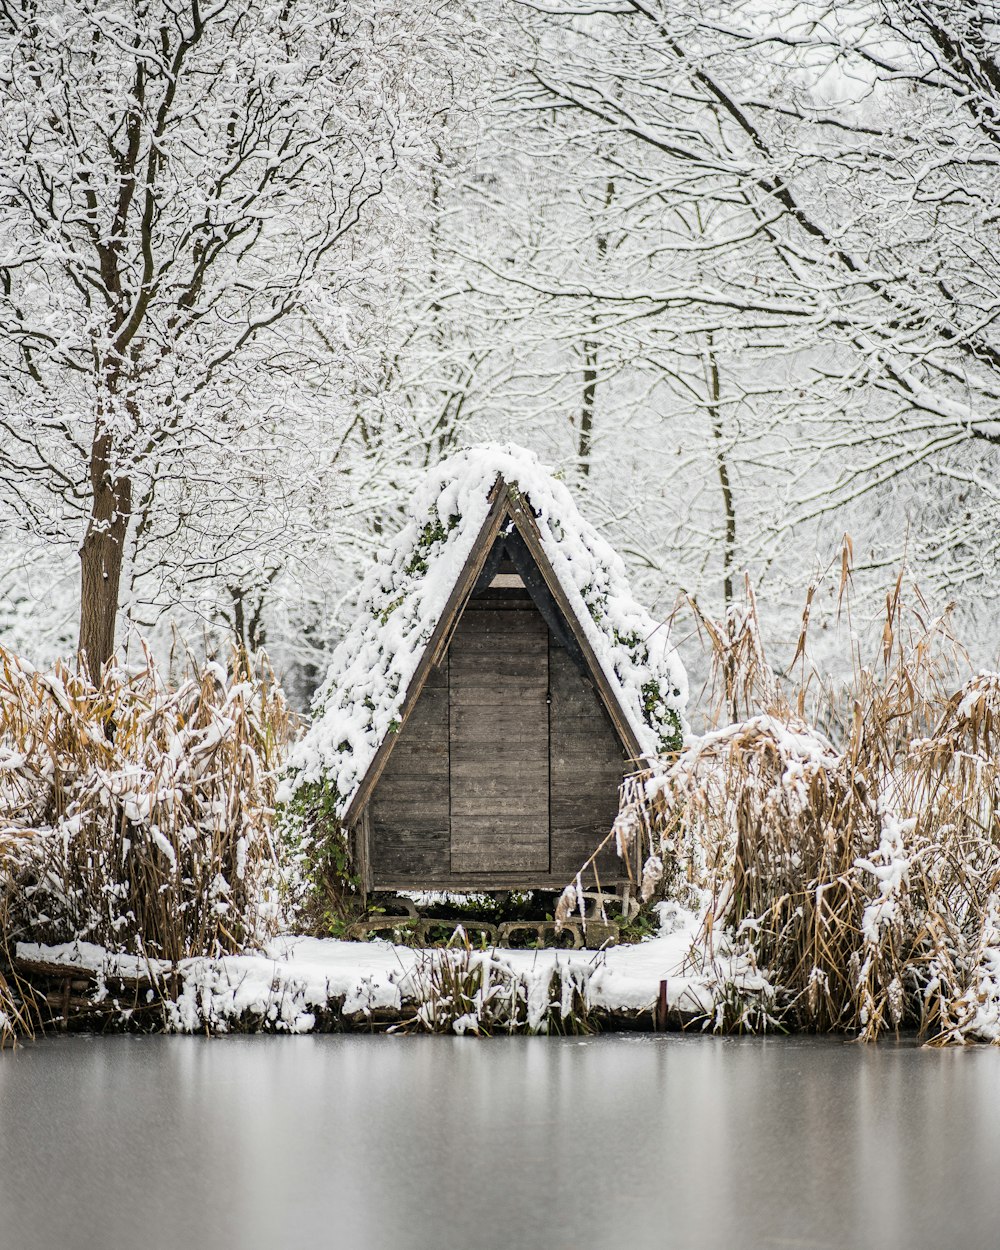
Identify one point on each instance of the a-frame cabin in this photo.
(501, 765)
(506, 767)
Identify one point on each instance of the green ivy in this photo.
(633, 642)
(597, 604)
(671, 733)
(388, 610)
(434, 532)
(331, 882)
(665, 720)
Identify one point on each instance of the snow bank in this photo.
(288, 986)
(405, 593)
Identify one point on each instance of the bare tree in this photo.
(804, 268)
(181, 185)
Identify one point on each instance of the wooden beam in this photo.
(363, 852)
(488, 882)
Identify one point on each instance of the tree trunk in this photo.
(586, 441)
(585, 446)
(101, 557)
(725, 482)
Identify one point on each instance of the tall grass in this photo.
(15, 1019)
(137, 815)
(847, 835)
(461, 990)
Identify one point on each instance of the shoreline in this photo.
(301, 985)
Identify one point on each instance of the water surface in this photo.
(441, 1143)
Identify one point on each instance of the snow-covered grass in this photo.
(856, 865)
(136, 814)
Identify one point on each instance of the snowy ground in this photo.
(295, 978)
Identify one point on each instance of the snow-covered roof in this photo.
(406, 592)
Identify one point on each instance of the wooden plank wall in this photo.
(587, 765)
(410, 804)
(499, 742)
(525, 789)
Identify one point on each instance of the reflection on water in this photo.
(516, 1143)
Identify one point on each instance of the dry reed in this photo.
(480, 992)
(15, 1017)
(138, 816)
(847, 837)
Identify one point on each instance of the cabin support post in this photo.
(629, 906)
(362, 854)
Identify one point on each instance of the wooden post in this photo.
(660, 1011)
(362, 852)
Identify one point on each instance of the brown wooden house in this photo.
(501, 766)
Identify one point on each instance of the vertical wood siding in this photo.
(587, 764)
(409, 807)
(508, 767)
(499, 742)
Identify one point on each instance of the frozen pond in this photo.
(434, 1143)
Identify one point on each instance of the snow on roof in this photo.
(404, 595)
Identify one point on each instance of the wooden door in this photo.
(498, 677)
